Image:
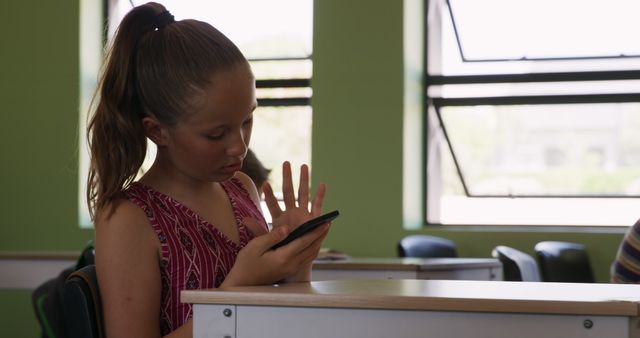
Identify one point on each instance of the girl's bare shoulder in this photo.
(249, 186)
(122, 216)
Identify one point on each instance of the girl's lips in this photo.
(232, 168)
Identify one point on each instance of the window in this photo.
(532, 112)
(276, 37)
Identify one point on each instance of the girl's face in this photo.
(210, 143)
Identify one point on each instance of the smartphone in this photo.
(307, 226)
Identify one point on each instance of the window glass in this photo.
(545, 29)
(532, 112)
(533, 36)
(261, 29)
(279, 134)
(552, 150)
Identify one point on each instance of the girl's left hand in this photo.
(295, 213)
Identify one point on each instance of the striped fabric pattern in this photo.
(195, 254)
(626, 267)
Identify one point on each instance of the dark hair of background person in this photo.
(255, 169)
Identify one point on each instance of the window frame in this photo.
(460, 44)
(433, 124)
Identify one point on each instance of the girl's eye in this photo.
(248, 122)
(215, 137)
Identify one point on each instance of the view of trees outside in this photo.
(576, 149)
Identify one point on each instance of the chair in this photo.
(47, 298)
(82, 304)
(516, 265)
(564, 262)
(425, 246)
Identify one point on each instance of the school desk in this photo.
(409, 268)
(366, 308)
(27, 270)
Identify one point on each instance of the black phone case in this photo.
(308, 226)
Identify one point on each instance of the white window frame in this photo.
(534, 212)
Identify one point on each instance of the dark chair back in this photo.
(564, 262)
(516, 265)
(82, 304)
(47, 298)
(425, 246)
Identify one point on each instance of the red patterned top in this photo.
(195, 254)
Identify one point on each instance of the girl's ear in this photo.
(155, 131)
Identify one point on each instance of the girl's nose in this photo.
(237, 145)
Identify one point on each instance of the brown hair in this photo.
(155, 67)
(255, 169)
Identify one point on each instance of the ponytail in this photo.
(116, 137)
(155, 67)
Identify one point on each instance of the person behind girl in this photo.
(192, 220)
(253, 167)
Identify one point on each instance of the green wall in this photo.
(38, 140)
(357, 138)
(357, 126)
(17, 319)
(38, 116)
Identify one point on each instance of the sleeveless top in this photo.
(626, 267)
(195, 254)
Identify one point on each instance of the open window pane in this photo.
(534, 36)
(546, 149)
(449, 204)
(545, 29)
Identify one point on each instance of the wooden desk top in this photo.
(408, 264)
(437, 295)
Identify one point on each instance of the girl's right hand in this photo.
(258, 264)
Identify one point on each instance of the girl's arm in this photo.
(128, 269)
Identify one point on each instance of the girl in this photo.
(191, 221)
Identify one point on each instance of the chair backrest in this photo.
(564, 262)
(425, 246)
(516, 265)
(47, 298)
(82, 304)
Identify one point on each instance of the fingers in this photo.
(318, 200)
(272, 201)
(314, 247)
(310, 252)
(287, 186)
(302, 243)
(257, 263)
(255, 227)
(303, 188)
(264, 243)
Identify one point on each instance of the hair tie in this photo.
(163, 19)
